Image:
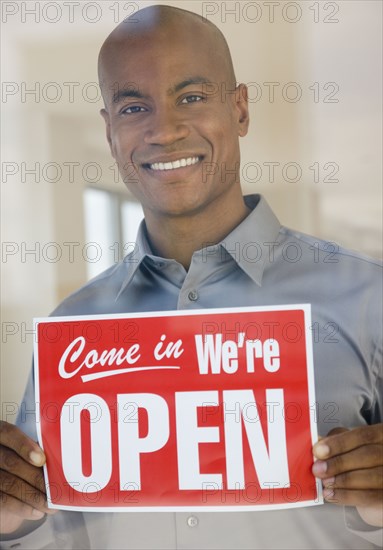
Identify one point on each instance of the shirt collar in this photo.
(248, 244)
(134, 259)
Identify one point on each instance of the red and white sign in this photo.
(198, 410)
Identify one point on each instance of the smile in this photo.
(180, 163)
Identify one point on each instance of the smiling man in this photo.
(174, 115)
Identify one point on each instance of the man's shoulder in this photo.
(327, 274)
(329, 252)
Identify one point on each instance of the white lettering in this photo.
(172, 349)
(268, 448)
(74, 355)
(189, 435)
(213, 354)
(100, 441)
(209, 349)
(270, 461)
(130, 444)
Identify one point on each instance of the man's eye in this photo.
(192, 99)
(132, 110)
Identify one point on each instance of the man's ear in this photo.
(105, 115)
(241, 100)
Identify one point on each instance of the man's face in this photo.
(173, 122)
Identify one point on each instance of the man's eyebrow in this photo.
(123, 93)
(133, 92)
(189, 81)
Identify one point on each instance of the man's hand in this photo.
(350, 465)
(22, 489)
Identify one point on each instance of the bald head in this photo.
(163, 26)
(172, 109)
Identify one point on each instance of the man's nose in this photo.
(165, 128)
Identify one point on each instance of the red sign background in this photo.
(71, 340)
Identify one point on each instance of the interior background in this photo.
(329, 138)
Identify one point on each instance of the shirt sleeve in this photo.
(368, 532)
(41, 536)
(64, 531)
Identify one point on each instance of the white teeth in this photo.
(173, 165)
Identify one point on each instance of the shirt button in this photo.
(193, 295)
(192, 521)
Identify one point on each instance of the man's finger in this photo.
(11, 462)
(371, 478)
(344, 497)
(360, 458)
(343, 442)
(21, 490)
(11, 436)
(18, 508)
(336, 431)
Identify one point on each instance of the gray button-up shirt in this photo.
(258, 263)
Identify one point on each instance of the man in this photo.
(175, 139)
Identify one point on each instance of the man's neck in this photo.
(179, 237)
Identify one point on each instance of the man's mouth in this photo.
(179, 163)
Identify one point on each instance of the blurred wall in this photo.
(314, 147)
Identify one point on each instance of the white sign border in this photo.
(172, 313)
